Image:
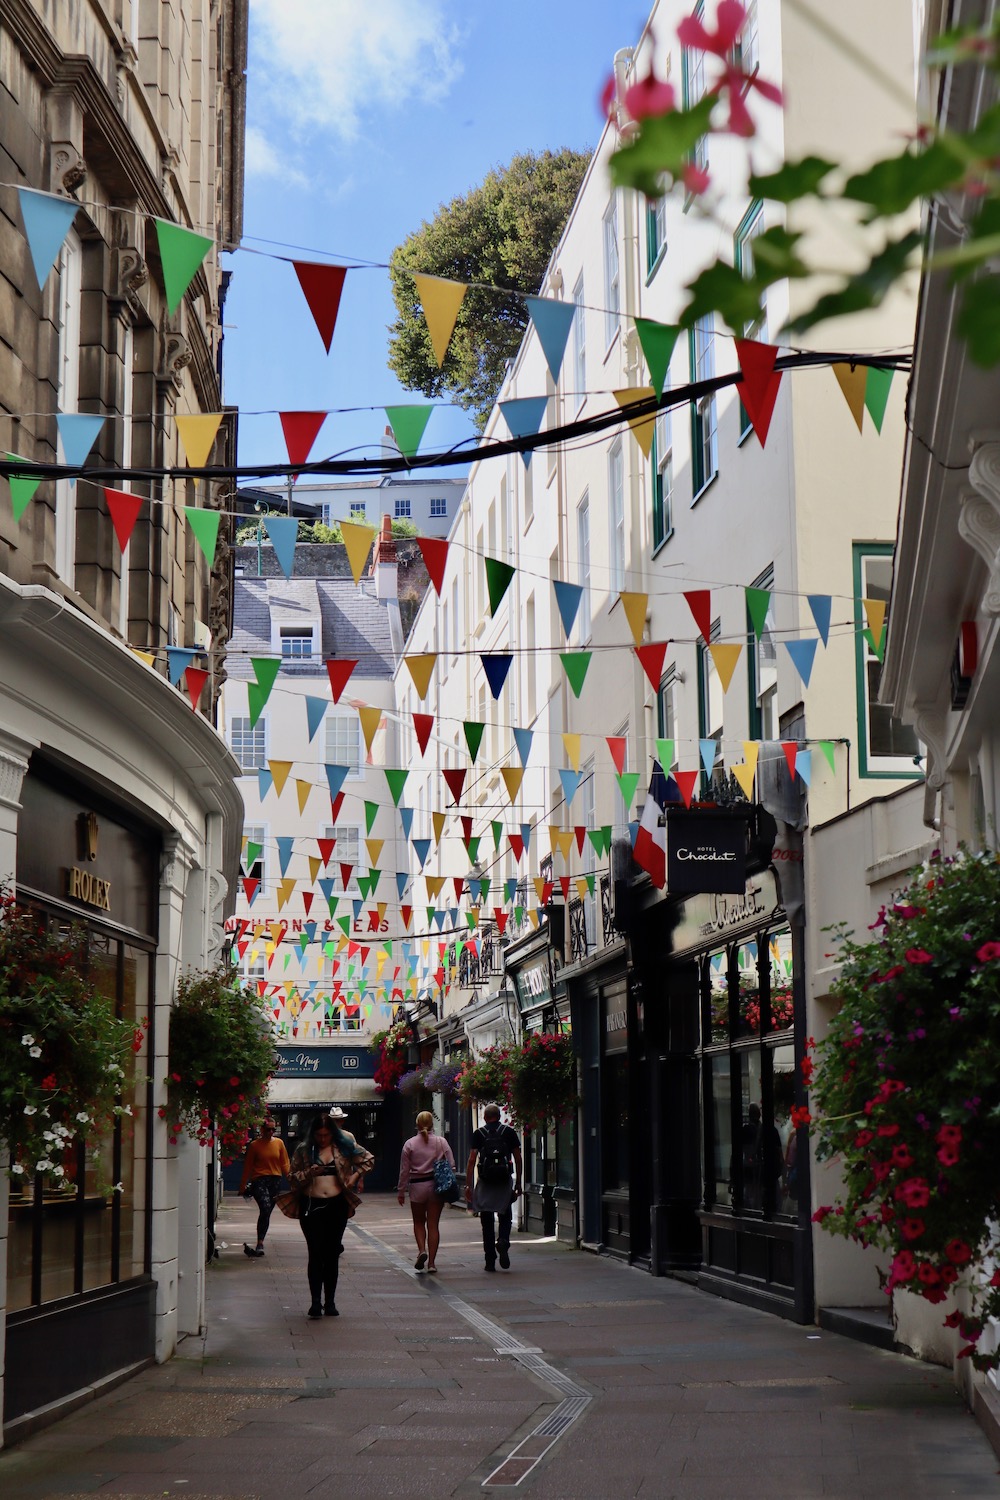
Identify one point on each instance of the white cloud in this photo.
(329, 64)
(264, 160)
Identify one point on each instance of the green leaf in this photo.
(979, 320)
(796, 179)
(737, 298)
(891, 186)
(774, 256)
(661, 146)
(865, 290)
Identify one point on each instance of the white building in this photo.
(430, 504)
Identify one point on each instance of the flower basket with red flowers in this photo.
(486, 1079)
(389, 1048)
(906, 1089)
(543, 1086)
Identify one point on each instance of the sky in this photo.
(363, 116)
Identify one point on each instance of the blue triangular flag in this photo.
(402, 876)
(524, 418)
(265, 781)
(633, 831)
(803, 653)
(570, 781)
(421, 848)
(406, 820)
(357, 908)
(510, 888)
(526, 836)
(522, 739)
(283, 531)
(453, 915)
(310, 930)
(803, 764)
(553, 321)
(820, 605)
(475, 891)
(284, 842)
(326, 886)
(708, 752)
(568, 596)
(77, 434)
(336, 776)
(496, 665)
(47, 222)
(179, 658)
(315, 709)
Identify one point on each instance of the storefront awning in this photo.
(323, 1091)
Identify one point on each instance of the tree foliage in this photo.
(499, 235)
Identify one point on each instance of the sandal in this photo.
(421, 1261)
(432, 1270)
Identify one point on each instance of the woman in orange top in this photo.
(265, 1165)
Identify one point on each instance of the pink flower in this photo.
(929, 1275)
(902, 1156)
(949, 1135)
(987, 952)
(864, 1138)
(888, 1130)
(948, 1156)
(904, 1267)
(649, 96)
(958, 1252)
(695, 179)
(918, 956)
(821, 1214)
(914, 1193)
(729, 20)
(911, 1228)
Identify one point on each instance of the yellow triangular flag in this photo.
(725, 657)
(744, 775)
(280, 770)
(572, 746)
(146, 656)
(533, 918)
(875, 615)
(374, 847)
(635, 606)
(285, 889)
(582, 888)
(197, 434)
(438, 820)
(751, 750)
(539, 885)
(382, 907)
(275, 929)
(473, 918)
(303, 788)
(258, 932)
(853, 383)
(642, 427)
(358, 541)
(441, 301)
(434, 884)
(565, 842)
(370, 718)
(314, 866)
(421, 668)
(513, 776)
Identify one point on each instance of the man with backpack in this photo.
(497, 1150)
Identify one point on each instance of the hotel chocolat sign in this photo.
(706, 852)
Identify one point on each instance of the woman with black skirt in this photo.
(328, 1170)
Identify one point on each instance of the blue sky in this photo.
(362, 117)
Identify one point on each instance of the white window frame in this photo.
(68, 312)
(616, 517)
(296, 642)
(694, 86)
(612, 272)
(439, 506)
(704, 415)
(656, 233)
(344, 834)
(870, 762)
(747, 48)
(579, 346)
(583, 618)
(663, 478)
(357, 510)
(258, 833)
(343, 742)
(248, 737)
(402, 507)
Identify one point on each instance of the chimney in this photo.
(384, 563)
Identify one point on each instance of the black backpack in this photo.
(494, 1160)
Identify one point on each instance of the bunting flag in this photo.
(339, 670)
(651, 659)
(179, 658)
(194, 680)
(124, 510)
(285, 845)
(396, 780)
(47, 220)
(440, 300)
(744, 775)
(877, 386)
(821, 607)
(875, 615)
(568, 596)
(78, 432)
(326, 848)
(303, 790)
(358, 540)
(455, 781)
(853, 382)
(552, 322)
(336, 776)
(498, 577)
(336, 803)
(438, 820)
(516, 848)
(575, 664)
(197, 432)
(283, 533)
(791, 753)
(635, 606)
(665, 755)
(473, 737)
(758, 387)
(708, 749)
(421, 847)
(181, 254)
(627, 783)
(572, 744)
(406, 821)
(758, 603)
(522, 740)
(751, 750)
(434, 551)
(497, 830)
(370, 718)
(700, 605)
(642, 427)
(829, 753)
(512, 778)
(686, 781)
(204, 526)
(804, 765)
(300, 429)
(421, 667)
(22, 490)
(803, 654)
(657, 341)
(280, 770)
(570, 782)
(422, 726)
(408, 424)
(265, 670)
(617, 747)
(725, 656)
(496, 665)
(321, 286)
(524, 418)
(315, 710)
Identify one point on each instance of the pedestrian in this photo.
(328, 1171)
(416, 1176)
(498, 1152)
(264, 1166)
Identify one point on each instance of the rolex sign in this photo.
(706, 852)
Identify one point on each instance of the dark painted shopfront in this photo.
(80, 1296)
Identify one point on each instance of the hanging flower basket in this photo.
(221, 1058)
(444, 1078)
(413, 1083)
(543, 1080)
(906, 1086)
(486, 1079)
(64, 1054)
(389, 1048)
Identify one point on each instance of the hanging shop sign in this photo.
(706, 919)
(325, 1062)
(706, 852)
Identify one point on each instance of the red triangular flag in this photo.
(759, 386)
(406, 912)
(336, 803)
(581, 834)
(500, 917)
(243, 928)
(466, 827)
(338, 672)
(307, 901)
(791, 750)
(124, 510)
(564, 883)
(516, 843)
(300, 429)
(435, 554)
(455, 781)
(547, 893)
(346, 871)
(651, 661)
(195, 677)
(700, 602)
(326, 849)
(250, 887)
(422, 725)
(686, 783)
(618, 743)
(459, 885)
(242, 946)
(322, 286)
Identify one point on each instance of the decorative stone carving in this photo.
(68, 168)
(979, 519)
(218, 890)
(176, 863)
(130, 271)
(930, 726)
(12, 768)
(175, 356)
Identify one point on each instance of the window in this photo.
(529, 496)
(256, 868)
(358, 511)
(127, 410)
(666, 712)
(531, 695)
(439, 506)
(347, 851)
(249, 744)
(743, 259)
(296, 643)
(746, 53)
(401, 508)
(656, 232)
(552, 420)
(711, 701)
(69, 297)
(662, 461)
(583, 550)
(612, 272)
(454, 616)
(693, 88)
(616, 517)
(762, 658)
(343, 741)
(886, 746)
(704, 453)
(579, 346)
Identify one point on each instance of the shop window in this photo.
(886, 746)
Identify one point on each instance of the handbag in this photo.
(289, 1203)
(445, 1182)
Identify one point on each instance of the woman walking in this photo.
(416, 1175)
(328, 1171)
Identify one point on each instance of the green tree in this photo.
(500, 235)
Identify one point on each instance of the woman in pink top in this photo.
(416, 1174)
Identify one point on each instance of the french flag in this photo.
(650, 848)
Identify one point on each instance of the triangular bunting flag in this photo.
(497, 831)
(522, 739)
(821, 606)
(301, 429)
(339, 670)
(179, 658)
(422, 727)
(440, 300)
(421, 668)
(570, 781)
(524, 418)
(877, 394)
(571, 744)
(181, 254)
(635, 606)
(434, 551)
(408, 424)
(438, 820)
(744, 775)
(627, 783)
(665, 755)
(358, 541)
(758, 604)
(321, 286)
(725, 656)
(197, 432)
(575, 664)
(512, 777)
(22, 490)
(568, 596)
(406, 821)
(283, 532)
(286, 845)
(791, 753)
(642, 427)
(803, 654)
(77, 435)
(124, 510)
(700, 605)
(651, 660)
(303, 790)
(853, 380)
(804, 765)
(751, 751)
(454, 779)
(204, 526)
(496, 665)
(473, 737)
(498, 577)
(686, 781)
(315, 709)
(829, 753)
(552, 321)
(336, 776)
(875, 615)
(280, 770)
(194, 680)
(264, 781)
(421, 847)
(370, 718)
(657, 342)
(396, 781)
(516, 845)
(47, 221)
(758, 387)
(708, 749)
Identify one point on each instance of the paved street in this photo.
(571, 1374)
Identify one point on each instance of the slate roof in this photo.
(353, 624)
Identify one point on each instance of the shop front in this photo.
(310, 1079)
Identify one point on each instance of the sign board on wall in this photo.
(706, 852)
(325, 1062)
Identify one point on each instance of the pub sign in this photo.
(706, 852)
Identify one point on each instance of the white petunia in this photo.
(17, 1169)
(29, 1109)
(119, 1187)
(83, 1117)
(44, 1165)
(34, 1051)
(59, 1171)
(27, 1040)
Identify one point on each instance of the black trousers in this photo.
(323, 1223)
(263, 1191)
(494, 1239)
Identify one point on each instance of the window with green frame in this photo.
(656, 232)
(751, 225)
(762, 670)
(886, 746)
(661, 461)
(711, 704)
(704, 427)
(693, 86)
(666, 712)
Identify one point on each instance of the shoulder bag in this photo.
(445, 1182)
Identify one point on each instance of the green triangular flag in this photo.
(877, 394)
(591, 882)
(256, 698)
(363, 885)
(374, 876)
(344, 923)
(758, 603)
(665, 755)
(181, 253)
(408, 423)
(431, 914)
(497, 835)
(266, 669)
(252, 855)
(657, 340)
(879, 649)
(627, 782)
(498, 576)
(396, 781)
(471, 919)
(473, 848)
(596, 837)
(21, 489)
(575, 664)
(205, 525)
(371, 813)
(474, 737)
(484, 885)
(518, 916)
(333, 902)
(826, 746)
